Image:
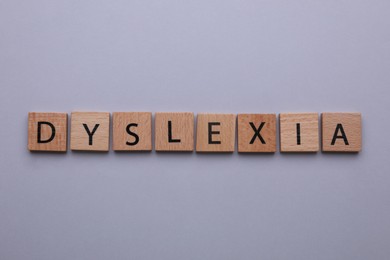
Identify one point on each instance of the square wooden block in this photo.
(89, 131)
(174, 131)
(256, 133)
(341, 132)
(299, 132)
(47, 131)
(215, 132)
(132, 131)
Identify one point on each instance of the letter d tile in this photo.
(47, 132)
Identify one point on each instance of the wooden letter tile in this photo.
(90, 131)
(132, 131)
(174, 131)
(256, 133)
(341, 132)
(47, 131)
(215, 132)
(299, 132)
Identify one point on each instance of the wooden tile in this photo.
(299, 132)
(132, 131)
(174, 131)
(341, 132)
(215, 132)
(256, 133)
(90, 131)
(47, 131)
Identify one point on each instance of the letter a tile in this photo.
(215, 132)
(47, 131)
(341, 132)
(174, 131)
(299, 132)
(256, 133)
(90, 131)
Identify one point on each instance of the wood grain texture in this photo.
(246, 141)
(182, 131)
(79, 137)
(59, 139)
(122, 140)
(309, 136)
(350, 124)
(223, 140)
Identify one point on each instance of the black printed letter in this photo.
(298, 134)
(89, 133)
(53, 132)
(132, 134)
(343, 136)
(211, 132)
(257, 132)
(170, 139)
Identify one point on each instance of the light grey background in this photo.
(201, 56)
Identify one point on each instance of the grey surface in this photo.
(200, 56)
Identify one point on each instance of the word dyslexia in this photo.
(132, 131)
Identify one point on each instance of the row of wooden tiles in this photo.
(174, 131)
